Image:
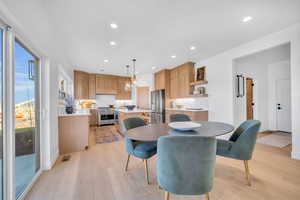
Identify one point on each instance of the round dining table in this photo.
(152, 132)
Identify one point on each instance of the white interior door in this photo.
(283, 106)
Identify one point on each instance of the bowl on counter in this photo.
(130, 107)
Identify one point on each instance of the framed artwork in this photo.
(201, 74)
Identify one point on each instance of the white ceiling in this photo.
(268, 56)
(78, 31)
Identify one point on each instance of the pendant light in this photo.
(128, 85)
(132, 84)
(133, 77)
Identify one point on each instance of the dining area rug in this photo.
(276, 139)
(106, 134)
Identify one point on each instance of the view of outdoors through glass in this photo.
(26, 131)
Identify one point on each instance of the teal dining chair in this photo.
(241, 144)
(142, 150)
(179, 118)
(186, 165)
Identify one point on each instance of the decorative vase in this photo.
(69, 109)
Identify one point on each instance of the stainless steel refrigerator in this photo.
(158, 106)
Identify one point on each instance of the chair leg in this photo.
(207, 196)
(167, 195)
(146, 171)
(247, 172)
(126, 167)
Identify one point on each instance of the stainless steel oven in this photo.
(106, 115)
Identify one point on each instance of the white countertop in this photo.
(74, 115)
(123, 110)
(186, 109)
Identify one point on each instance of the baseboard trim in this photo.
(295, 155)
(55, 159)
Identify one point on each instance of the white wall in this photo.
(276, 71)
(220, 76)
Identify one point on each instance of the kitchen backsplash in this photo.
(105, 100)
(192, 102)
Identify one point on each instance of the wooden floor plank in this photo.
(98, 173)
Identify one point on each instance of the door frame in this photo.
(8, 114)
(252, 104)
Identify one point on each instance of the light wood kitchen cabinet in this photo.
(180, 80)
(123, 94)
(194, 115)
(93, 117)
(81, 85)
(92, 86)
(174, 84)
(106, 84)
(161, 80)
(73, 133)
(87, 86)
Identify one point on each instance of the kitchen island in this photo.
(194, 114)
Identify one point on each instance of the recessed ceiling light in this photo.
(192, 48)
(112, 43)
(153, 67)
(173, 56)
(114, 25)
(106, 61)
(247, 19)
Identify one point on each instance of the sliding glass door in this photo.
(19, 115)
(26, 84)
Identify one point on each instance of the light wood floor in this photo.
(98, 174)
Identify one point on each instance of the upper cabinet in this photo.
(81, 85)
(123, 94)
(87, 86)
(162, 81)
(92, 86)
(106, 84)
(174, 84)
(181, 78)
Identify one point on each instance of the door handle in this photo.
(279, 106)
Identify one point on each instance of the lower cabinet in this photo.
(194, 115)
(93, 117)
(73, 133)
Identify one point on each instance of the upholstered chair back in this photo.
(244, 139)
(186, 164)
(134, 122)
(179, 118)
